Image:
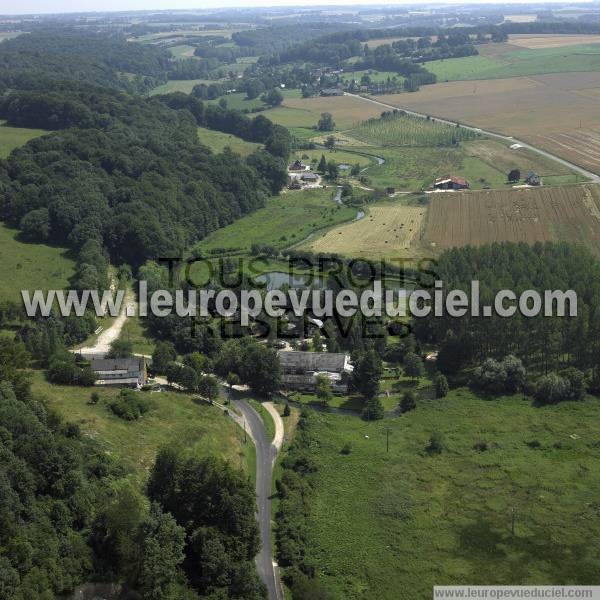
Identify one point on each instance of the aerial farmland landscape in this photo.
(299, 302)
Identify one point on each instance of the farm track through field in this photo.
(593, 176)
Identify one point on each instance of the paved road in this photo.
(266, 453)
(593, 176)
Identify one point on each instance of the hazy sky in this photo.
(8, 7)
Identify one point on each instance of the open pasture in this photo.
(389, 229)
(13, 137)
(285, 220)
(425, 520)
(217, 141)
(567, 213)
(31, 266)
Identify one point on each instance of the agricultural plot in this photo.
(407, 130)
(217, 141)
(304, 113)
(239, 101)
(387, 230)
(567, 213)
(533, 41)
(13, 137)
(534, 109)
(522, 62)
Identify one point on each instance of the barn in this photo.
(450, 182)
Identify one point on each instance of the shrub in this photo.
(480, 446)
(346, 449)
(440, 384)
(129, 405)
(436, 443)
(408, 402)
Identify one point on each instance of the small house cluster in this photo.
(300, 176)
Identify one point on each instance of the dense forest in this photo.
(126, 170)
(543, 343)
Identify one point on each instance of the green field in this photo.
(338, 156)
(13, 137)
(31, 266)
(182, 51)
(526, 62)
(175, 418)
(391, 525)
(285, 220)
(376, 76)
(217, 141)
(239, 101)
(179, 85)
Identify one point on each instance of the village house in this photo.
(533, 179)
(450, 182)
(298, 165)
(123, 372)
(332, 92)
(309, 177)
(300, 369)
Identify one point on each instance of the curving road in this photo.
(266, 453)
(507, 138)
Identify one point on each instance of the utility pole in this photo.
(512, 527)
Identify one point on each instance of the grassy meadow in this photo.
(31, 266)
(519, 63)
(390, 525)
(217, 141)
(13, 137)
(175, 418)
(286, 219)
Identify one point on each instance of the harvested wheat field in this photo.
(545, 110)
(534, 42)
(387, 230)
(568, 213)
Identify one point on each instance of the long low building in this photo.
(124, 372)
(300, 369)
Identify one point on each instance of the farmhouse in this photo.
(331, 92)
(309, 177)
(124, 372)
(300, 369)
(450, 182)
(297, 165)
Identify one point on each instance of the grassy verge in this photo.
(267, 419)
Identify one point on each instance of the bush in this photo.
(408, 402)
(440, 384)
(129, 405)
(346, 449)
(373, 410)
(500, 377)
(436, 443)
(480, 446)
